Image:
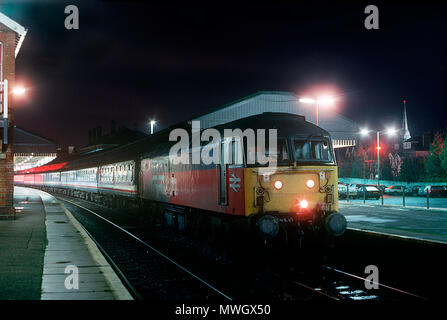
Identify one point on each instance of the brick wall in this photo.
(7, 37)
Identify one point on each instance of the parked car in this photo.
(436, 191)
(368, 192)
(417, 190)
(381, 187)
(421, 191)
(343, 191)
(354, 186)
(396, 190)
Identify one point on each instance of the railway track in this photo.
(338, 285)
(383, 287)
(147, 272)
(152, 274)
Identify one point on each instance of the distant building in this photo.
(416, 146)
(97, 141)
(405, 132)
(343, 130)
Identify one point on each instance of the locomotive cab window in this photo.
(315, 149)
(281, 155)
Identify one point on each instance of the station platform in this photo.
(37, 247)
(410, 222)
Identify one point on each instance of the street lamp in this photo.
(6, 92)
(324, 100)
(152, 125)
(18, 91)
(389, 131)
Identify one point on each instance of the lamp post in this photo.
(390, 131)
(152, 126)
(317, 101)
(5, 105)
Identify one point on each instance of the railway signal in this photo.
(389, 131)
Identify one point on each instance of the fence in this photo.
(352, 193)
(389, 183)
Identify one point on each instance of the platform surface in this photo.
(418, 223)
(37, 248)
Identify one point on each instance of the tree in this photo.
(443, 157)
(386, 171)
(435, 169)
(344, 169)
(412, 169)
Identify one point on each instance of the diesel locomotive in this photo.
(295, 200)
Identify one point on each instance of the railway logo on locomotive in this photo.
(235, 182)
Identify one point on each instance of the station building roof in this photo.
(17, 28)
(342, 129)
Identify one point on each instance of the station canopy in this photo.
(32, 150)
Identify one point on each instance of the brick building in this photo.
(12, 35)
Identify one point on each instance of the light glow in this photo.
(278, 185)
(326, 100)
(152, 123)
(18, 91)
(307, 100)
(391, 131)
(364, 131)
(304, 204)
(310, 183)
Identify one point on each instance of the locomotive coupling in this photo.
(335, 224)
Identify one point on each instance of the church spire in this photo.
(405, 131)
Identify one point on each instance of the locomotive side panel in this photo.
(195, 186)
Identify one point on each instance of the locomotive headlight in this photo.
(304, 204)
(277, 184)
(310, 183)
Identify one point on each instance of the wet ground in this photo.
(410, 222)
(398, 201)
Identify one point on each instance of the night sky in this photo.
(131, 61)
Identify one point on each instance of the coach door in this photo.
(222, 167)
